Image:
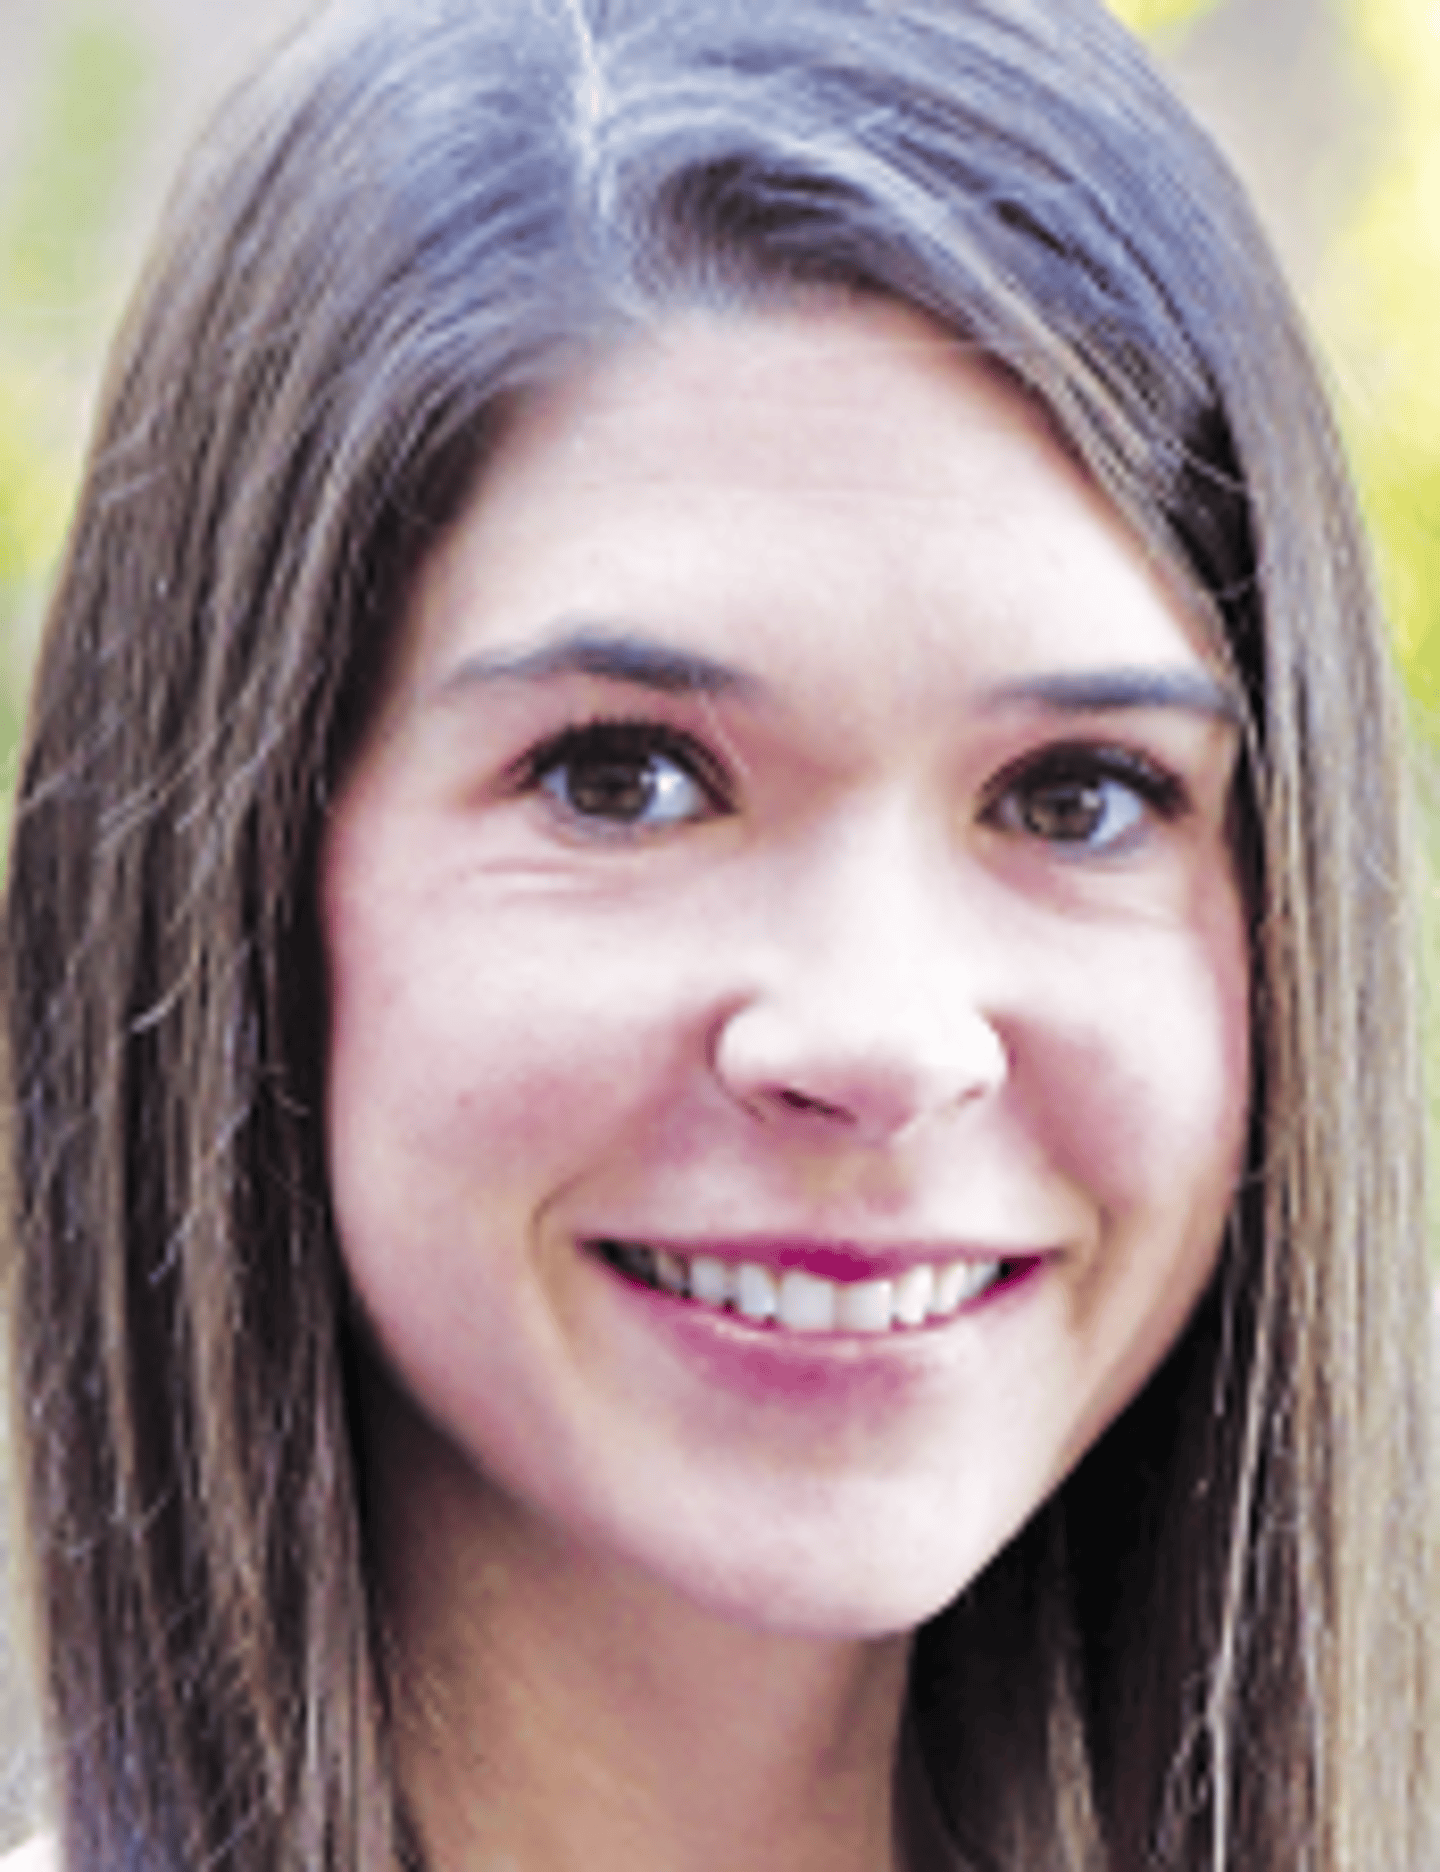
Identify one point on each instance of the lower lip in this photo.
(767, 1364)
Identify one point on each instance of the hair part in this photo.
(419, 214)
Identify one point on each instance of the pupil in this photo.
(1069, 812)
(611, 789)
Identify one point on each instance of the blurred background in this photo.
(1329, 108)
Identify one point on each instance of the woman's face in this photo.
(790, 861)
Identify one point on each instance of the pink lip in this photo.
(830, 1260)
(826, 1372)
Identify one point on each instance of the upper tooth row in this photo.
(806, 1303)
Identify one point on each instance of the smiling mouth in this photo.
(794, 1300)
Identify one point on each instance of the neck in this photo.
(555, 1712)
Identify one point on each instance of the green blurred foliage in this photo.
(34, 494)
(72, 175)
(1379, 305)
(56, 225)
(1377, 302)
(1155, 16)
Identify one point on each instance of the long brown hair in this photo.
(1208, 1650)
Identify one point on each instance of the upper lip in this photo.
(829, 1258)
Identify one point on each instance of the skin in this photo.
(926, 938)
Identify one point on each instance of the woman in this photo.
(716, 1079)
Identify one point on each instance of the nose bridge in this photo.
(878, 917)
(871, 1003)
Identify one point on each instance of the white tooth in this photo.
(978, 1276)
(709, 1280)
(913, 1292)
(807, 1304)
(864, 1306)
(669, 1271)
(755, 1293)
(950, 1287)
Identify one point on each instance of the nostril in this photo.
(802, 1102)
(837, 1066)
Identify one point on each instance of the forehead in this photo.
(826, 395)
(738, 477)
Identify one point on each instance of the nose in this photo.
(866, 1015)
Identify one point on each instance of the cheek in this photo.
(1146, 1090)
(500, 1058)
(1146, 1106)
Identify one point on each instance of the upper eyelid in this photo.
(1162, 791)
(1109, 759)
(708, 769)
(1157, 779)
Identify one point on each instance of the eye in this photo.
(628, 776)
(1090, 800)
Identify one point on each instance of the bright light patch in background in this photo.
(1147, 16)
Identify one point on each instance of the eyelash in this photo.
(637, 743)
(1083, 767)
(625, 742)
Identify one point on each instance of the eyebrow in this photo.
(617, 656)
(624, 657)
(1192, 691)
